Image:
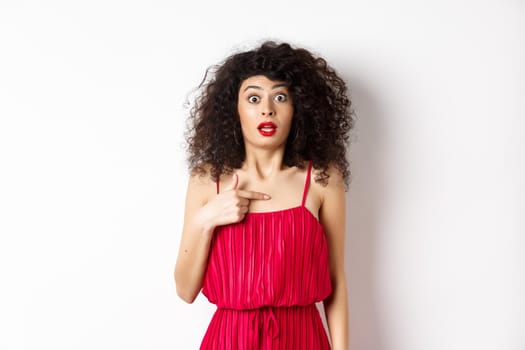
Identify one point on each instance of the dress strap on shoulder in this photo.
(307, 183)
(217, 182)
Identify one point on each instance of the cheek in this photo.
(246, 117)
(290, 116)
(241, 110)
(245, 110)
(286, 125)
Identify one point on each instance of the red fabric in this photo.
(265, 275)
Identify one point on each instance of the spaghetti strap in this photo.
(217, 182)
(306, 183)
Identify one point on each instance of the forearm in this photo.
(336, 310)
(192, 260)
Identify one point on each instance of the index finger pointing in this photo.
(252, 194)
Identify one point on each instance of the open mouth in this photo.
(267, 128)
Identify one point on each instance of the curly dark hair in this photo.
(321, 122)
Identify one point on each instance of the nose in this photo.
(267, 109)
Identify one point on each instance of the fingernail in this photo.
(266, 196)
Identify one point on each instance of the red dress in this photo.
(265, 275)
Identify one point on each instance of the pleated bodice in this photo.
(277, 258)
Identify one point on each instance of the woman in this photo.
(264, 223)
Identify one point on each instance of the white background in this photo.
(93, 172)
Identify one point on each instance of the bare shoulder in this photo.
(335, 184)
(200, 186)
(332, 212)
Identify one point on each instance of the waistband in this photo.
(264, 319)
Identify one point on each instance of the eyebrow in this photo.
(260, 88)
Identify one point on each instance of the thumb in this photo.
(235, 182)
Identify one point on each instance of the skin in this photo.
(257, 187)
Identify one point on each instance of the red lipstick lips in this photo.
(267, 128)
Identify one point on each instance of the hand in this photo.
(229, 206)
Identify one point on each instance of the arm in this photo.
(195, 242)
(201, 216)
(332, 217)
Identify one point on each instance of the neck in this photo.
(263, 163)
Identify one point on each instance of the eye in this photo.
(253, 99)
(280, 97)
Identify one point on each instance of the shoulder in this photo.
(201, 185)
(335, 184)
(333, 206)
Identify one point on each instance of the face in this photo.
(265, 110)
